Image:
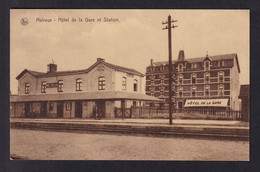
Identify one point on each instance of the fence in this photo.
(198, 113)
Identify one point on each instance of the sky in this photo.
(132, 39)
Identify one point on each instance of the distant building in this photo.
(210, 81)
(244, 95)
(70, 94)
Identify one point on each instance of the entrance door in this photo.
(43, 111)
(59, 110)
(78, 109)
(101, 107)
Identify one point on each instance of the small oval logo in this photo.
(24, 21)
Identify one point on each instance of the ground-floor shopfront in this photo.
(74, 106)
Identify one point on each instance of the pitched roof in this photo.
(244, 91)
(201, 59)
(107, 95)
(70, 72)
(123, 69)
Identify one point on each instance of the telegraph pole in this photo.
(169, 27)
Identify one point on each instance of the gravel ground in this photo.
(44, 145)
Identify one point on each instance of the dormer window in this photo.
(194, 65)
(220, 63)
(27, 87)
(207, 65)
(180, 67)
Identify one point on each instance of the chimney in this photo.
(181, 56)
(151, 62)
(100, 59)
(51, 68)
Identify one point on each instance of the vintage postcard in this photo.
(129, 84)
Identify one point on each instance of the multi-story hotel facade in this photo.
(205, 82)
(69, 94)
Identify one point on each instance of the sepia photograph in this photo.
(89, 84)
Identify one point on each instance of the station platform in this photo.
(148, 127)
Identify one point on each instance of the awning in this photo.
(100, 95)
(206, 103)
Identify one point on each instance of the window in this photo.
(180, 92)
(180, 67)
(68, 106)
(135, 85)
(124, 83)
(27, 86)
(101, 83)
(79, 84)
(206, 90)
(43, 87)
(194, 65)
(220, 90)
(60, 86)
(193, 92)
(180, 79)
(206, 77)
(193, 78)
(220, 77)
(206, 65)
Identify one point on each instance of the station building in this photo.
(72, 94)
(203, 82)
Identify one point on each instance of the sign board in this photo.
(52, 85)
(206, 103)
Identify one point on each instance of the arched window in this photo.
(180, 91)
(180, 67)
(220, 76)
(193, 78)
(101, 83)
(206, 65)
(135, 85)
(79, 84)
(193, 91)
(206, 90)
(180, 79)
(27, 88)
(43, 87)
(221, 90)
(124, 83)
(207, 77)
(60, 86)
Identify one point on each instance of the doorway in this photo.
(27, 109)
(59, 110)
(78, 109)
(43, 110)
(101, 107)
